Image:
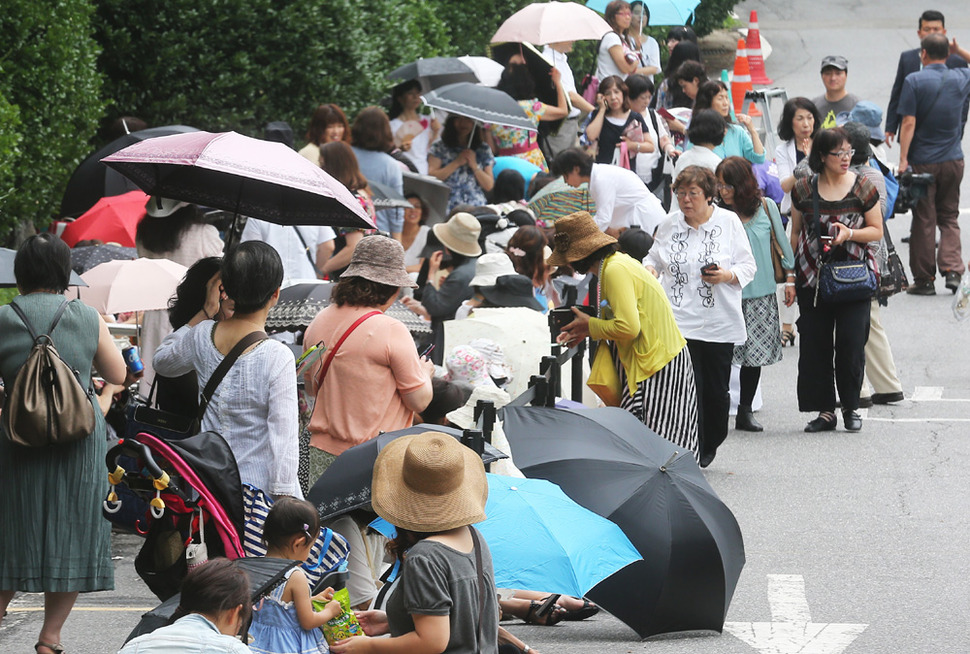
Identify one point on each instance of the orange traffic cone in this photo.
(755, 59)
(741, 83)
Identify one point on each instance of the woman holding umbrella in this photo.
(644, 365)
(618, 53)
(463, 161)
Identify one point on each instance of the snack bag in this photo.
(344, 625)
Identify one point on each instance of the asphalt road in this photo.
(855, 542)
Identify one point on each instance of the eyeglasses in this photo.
(693, 195)
(843, 154)
(724, 187)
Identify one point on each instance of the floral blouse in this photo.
(464, 187)
(514, 141)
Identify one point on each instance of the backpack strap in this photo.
(30, 328)
(224, 366)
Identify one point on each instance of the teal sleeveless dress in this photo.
(53, 538)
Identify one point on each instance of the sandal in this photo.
(56, 648)
(546, 614)
(589, 610)
(787, 337)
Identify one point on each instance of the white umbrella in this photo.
(130, 285)
(551, 22)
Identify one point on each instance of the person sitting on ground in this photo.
(255, 406)
(214, 605)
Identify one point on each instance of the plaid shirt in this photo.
(849, 211)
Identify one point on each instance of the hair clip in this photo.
(516, 251)
(306, 530)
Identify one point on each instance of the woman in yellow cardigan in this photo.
(644, 366)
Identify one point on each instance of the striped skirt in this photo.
(666, 402)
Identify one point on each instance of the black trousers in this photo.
(831, 353)
(712, 374)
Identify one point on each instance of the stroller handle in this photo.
(111, 458)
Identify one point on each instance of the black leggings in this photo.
(750, 376)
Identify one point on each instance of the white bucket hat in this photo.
(490, 267)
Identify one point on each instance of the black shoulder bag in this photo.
(838, 281)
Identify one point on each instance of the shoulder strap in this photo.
(816, 219)
(333, 351)
(946, 73)
(30, 328)
(482, 590)
(306, 250)
(224, 366)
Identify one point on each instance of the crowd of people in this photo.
(695, 257)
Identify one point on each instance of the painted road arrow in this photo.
(791, 630)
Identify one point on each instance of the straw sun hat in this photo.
(429, 483)
(577, 237)
(460, 234)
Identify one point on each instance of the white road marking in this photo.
(927, 394)
(791, 630)
(920, 419)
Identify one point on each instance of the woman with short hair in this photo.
(328, 124)
(255, 406)
(372, 140)
(54, 540)
(615, 123)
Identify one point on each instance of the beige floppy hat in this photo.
(460, 234)
(429, 483)
(577, 237)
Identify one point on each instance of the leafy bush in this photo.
(49, 104)
(711, 14)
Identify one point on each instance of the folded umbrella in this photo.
(479, 103)
(246, 176)
(609, 462)
(87, 257)
(9, 280)
(345, 485)
(138, 285)
(113, 219)
(662, 12)
(551, 22)
(542, 540)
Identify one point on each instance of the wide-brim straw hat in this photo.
(577, 237)
(460, 234)
(490, 267)
(429, 482)
(379, 259)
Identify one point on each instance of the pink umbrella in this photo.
(113, 219)
(240, 174)
(130, 285)
(551, 22)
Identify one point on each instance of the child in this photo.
(286, 620)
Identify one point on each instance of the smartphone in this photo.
(427, 351)
(310, 357)
(666, 114)
(709, 268)
(559, 318)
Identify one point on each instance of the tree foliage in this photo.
(711, 14)
(50, 102)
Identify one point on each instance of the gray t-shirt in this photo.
(939, 126)
(829, 111)
(438, 580)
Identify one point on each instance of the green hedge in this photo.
(50, 102)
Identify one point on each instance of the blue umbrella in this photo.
(662, 12)
(542, 540)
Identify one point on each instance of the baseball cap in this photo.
(835, 61)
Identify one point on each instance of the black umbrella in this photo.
(433, 192)
(434, 72)
(298, 305)
(9, 280)
(479, 103)
(345, 485)
(609, 462)
(87, 257)
(264, 575)
(92, 180)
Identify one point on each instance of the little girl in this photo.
(286, 622)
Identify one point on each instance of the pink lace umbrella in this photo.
(236, 173)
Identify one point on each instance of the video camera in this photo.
(912, 187)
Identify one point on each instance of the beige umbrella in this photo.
(136, 285)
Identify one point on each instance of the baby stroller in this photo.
(184, 496)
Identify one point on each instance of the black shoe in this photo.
(851, 420)
(745, 420)
(865, 402)
(953, 281)
(886, 398)
(904, 239)
(921, 288)
(707, 459)
(821, 424)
